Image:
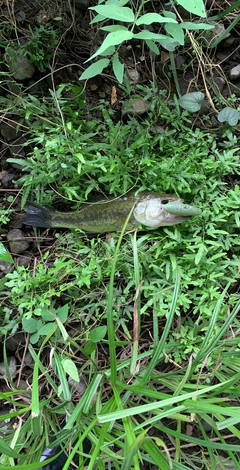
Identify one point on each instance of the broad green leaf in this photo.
(169, 14)
(229, 115)
(4, 254)
(192, 101)
(89, 348)
(118, 68)
(109, 51)
(112, 39)
(97, 334)
(71, 369)
(30, 325)
(176, 31)
(194, 6)
(153, 37)
(115, 12)
(95, 69)
(46, 315)
(195, 26)
(46, 329)
(171, 46)
(152, 46)
(113, 28)
(62, 313)
(150, 18)
(98, 19)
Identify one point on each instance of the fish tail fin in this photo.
(37, 215)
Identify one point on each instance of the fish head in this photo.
(164, 210)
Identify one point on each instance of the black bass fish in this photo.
(149, 209)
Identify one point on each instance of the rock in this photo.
(136, 107)
(234, 72)
(19, 65)
(229, 42)
(9, 131)
(79, 387)
(16, 241)
(12, 366)
(5, 267)
(17, 150)
(7, 178)
(23, 260)
(133, 75)
(180, 61)
(220, 82)
(81, 5)
(13, 342)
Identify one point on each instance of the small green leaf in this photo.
(46, 315)
(95, 69)
(97, 334)
(145, 34)
(115, 12)
(118, 68)
(62, 313)
(194, 6)
(89, 348)
(195, 26)
(192, 101)
(150, 18)
(71, 369)
(202, 249)
(30, 325)
(4, 255)
(229, 115)
(176, 31)
(113, 28)
(46, 329)
(112, 39)
(170, 47)
(152, 46)
(98, 19)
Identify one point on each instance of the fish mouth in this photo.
(172, 219)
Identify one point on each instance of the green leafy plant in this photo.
(50, 320)
(118, 33)
(39, 48)
(4, 254)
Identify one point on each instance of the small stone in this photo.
(234, 72)
(82, 5)
(29, 360)
(12, 366)
(16, 241)
(5, 267)
(133, 76)
(79, 387)
(94, 87)
(220, 82)
(19, 65)
(136, 107)
(17, 150)
(180, 61)
(13, 342)
(9, 131)
(228, 42)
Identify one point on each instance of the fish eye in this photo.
(164, 201)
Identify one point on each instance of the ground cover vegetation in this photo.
(128, 344)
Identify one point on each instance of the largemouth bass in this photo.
(149, 209)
